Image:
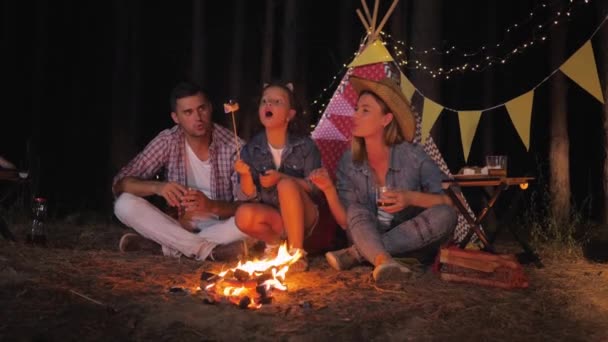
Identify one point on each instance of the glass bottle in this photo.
(37, 234)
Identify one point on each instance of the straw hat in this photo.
(391, 94)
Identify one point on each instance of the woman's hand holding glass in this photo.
(392, 200)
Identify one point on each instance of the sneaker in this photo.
(230, 252)
(301, 265)
(270, 251)
(343, 259)
(391, 271)
(131, 242)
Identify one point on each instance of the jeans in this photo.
(370, 239)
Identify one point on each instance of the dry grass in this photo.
(567, 300)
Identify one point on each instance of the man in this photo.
(198, 160)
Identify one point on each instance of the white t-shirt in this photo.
(384, 218)
(198, 172)
(276, 155)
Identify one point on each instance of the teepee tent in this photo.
(333, 131)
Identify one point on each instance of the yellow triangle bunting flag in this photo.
(520, 111)
(407, 88)
(430, 113)
(373, 53)
(468, 125)
(581, 68)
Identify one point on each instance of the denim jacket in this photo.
(300, 156)
(410, 168)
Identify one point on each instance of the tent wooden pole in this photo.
(363, 21)
(375, 15)
(367, 15)
(386, 16)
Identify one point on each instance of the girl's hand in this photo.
(242, 168)
(320, 178)
(270, 178)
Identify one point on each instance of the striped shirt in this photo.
(167, 152)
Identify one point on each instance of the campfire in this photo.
(249, 284)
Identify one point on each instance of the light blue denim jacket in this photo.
(410, 168)
(300, 156)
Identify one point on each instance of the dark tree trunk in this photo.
(345, 30)
(199, 42)
(559, 145)
(488, 134)
(268, 42)
(126, 81)
(425, 30)
(602, 64)
(236, 62)
(33, 149)
(290, 41)
(397, 23)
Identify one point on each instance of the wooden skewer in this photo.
(386, 16)
(236, 137)
(87, 298)
(368, 16)
(375, 15)
(93, 300)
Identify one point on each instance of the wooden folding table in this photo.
(499, 184)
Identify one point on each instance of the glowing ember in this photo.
(250, 284)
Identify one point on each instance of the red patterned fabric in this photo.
(343, 123)
(331, 151)
(339, 105)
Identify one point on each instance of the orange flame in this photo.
(277, 267)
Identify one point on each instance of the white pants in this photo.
(153, 224)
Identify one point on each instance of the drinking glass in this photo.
(497, 165)
(380, 196)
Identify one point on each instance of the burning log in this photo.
(209, 277)
(241, 274)
(248, 285)
(244, 302)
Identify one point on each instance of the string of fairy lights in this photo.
(476, 59)
(486, 55)
(557, 9)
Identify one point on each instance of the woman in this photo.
(272, 171)
(414, 211)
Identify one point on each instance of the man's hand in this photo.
(270, 178)
(399, 199)
(320, 178)
(172, 192)
(195, 202)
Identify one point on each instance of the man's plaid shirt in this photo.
(167, 151)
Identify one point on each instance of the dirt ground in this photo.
(42, 289)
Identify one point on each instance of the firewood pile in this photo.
(481, 268)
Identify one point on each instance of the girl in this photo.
(272, 173)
